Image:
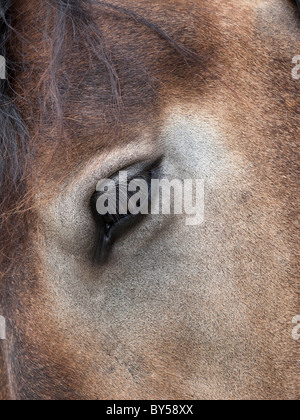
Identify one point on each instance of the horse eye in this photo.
(113, 224)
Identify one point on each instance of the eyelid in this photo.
(106, 236)
(139, 169)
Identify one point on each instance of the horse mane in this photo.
(13, 134)
(14, 139)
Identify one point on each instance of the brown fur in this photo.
(242, 76)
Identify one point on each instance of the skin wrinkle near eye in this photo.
(66, 217)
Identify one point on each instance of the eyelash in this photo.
(111, 220)
(110, 227)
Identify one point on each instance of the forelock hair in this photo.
(77, 15)
(13, 132)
